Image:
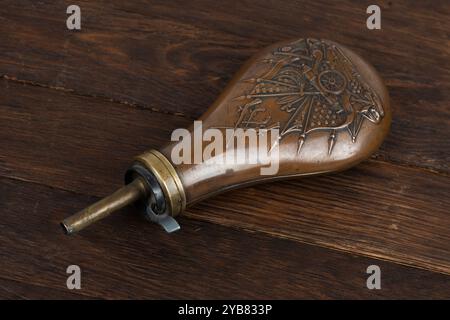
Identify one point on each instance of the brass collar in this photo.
(168, 179)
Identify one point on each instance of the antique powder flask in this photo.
(330, 110)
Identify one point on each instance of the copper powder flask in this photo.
(330, 109)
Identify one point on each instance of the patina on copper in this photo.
(330, 106)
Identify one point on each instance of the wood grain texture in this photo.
(19, 290)
(377, 209)
(76, 107)
(156, 56)
(129, 258)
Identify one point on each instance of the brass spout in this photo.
(103, 208)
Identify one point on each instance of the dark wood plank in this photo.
(126, 257)
(46, 133)
(157, 56)
(377, 209)
(15, 290)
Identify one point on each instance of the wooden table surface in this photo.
(76, 106)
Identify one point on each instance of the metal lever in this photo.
(166, 221)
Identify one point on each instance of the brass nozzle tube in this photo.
(101, 209)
